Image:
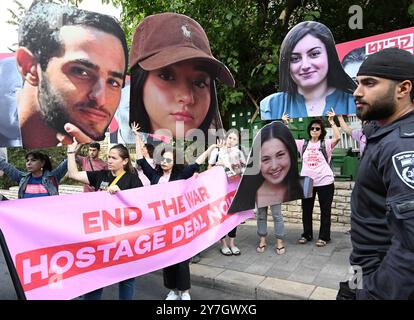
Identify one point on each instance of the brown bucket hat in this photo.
(166, 38)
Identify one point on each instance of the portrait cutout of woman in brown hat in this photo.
(173, 76)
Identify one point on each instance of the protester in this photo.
(73, 63)
(148, 153)
(278, 227)
(233, 160)
(382, 207)
(173, 76)
(92, 163)
(2, 197)
(311, 78)
(177, 276)
(229, 155)
(120, 175)
(356, 134)
(40, 180)
(316, 154)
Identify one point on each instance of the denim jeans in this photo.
(126, 291)
(278, 224)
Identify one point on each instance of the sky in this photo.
(9, 32)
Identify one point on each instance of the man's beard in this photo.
(53, 110)
(381, 108)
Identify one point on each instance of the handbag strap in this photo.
(90, 163)
(119, 176)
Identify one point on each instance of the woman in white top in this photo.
(233, 160)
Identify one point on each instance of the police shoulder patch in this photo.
(404, 166)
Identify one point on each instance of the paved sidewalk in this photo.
(303, 272)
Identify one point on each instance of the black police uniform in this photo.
(382, 219)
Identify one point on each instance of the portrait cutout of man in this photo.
(73, 63)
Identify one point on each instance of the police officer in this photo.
(382, 203)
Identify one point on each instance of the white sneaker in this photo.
(185, 296)
(172, 296)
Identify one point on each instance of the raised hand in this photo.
(331, 115)
(135, 128)
(221, 143)
(113, 189)
(74, 147)
(285, 118)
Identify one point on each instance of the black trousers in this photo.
(177, 276)
(232, 233)
(325, 195)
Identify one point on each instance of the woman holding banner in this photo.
(40, 180)
(176, 277)
(233, 160)
(119, 176)
(311, 78)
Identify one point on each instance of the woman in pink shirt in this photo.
(315, 164)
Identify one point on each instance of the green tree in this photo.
(246, 34)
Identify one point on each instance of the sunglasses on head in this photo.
(315, 128)
(168, 160)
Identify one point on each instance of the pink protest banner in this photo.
(65, 246)
(403, 39)
(352, 53)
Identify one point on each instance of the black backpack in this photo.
(321, 149)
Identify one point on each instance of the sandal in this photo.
(280, 250)
(235, 251)
(321, 243)
(261, 248)
(225, 251)
(302, 240)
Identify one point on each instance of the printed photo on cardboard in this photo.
(173, 75)
(73, 64)
(271, 176)
(311, 78)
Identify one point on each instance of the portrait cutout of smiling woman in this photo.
(173, 76)
(311, 78)
(271, 176)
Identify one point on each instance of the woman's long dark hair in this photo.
(246, 194)
(138, 114)
(337, 77)
(37, 155)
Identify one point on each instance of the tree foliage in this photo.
(246, 34)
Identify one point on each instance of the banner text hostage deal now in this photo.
(65, 246)
(38, 266)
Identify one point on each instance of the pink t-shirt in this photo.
(359, 137)
(314, 164)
